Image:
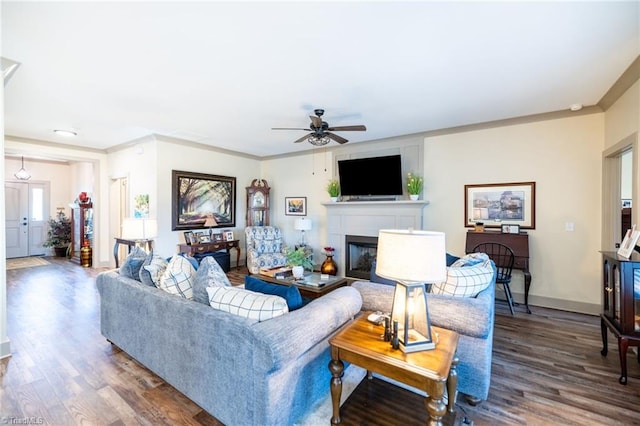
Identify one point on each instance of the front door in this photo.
(16, 216)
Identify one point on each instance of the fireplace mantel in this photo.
(366, 218)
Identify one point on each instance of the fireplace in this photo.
(360, 254)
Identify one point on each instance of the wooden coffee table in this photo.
(361, 343)
(319, 287)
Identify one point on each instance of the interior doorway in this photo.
(26, 213)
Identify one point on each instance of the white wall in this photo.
(563, 157)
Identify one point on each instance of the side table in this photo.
(361, 343)
(191, 249)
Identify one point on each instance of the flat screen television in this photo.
(373, 176)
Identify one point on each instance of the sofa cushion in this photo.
(209, 274)
(470, 260)
(194, 262)
(132, 264)
(465, 281)
(245, 303)
(178, 277)
(289, 293)
(152, 270)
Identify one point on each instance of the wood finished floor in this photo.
(547, 367)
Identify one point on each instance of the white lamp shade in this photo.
(139, 229)
(411, 256)
(302, 224)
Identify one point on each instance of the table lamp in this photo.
(210, 223)
(411, 258)
(140, 230)
(302, 225)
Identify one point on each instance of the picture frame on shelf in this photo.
(204, 238)
(217, 237)
(188, 237)
(228, 236)
(196, 196)
(497, 203)
(508, 228)
(295, 206)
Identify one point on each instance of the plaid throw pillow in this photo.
(466, 281)
(245, 303)
(178, 277)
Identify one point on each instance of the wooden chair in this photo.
(503, 257)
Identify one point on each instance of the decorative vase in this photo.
(298, 272)
(334, 199)
(414, 197)
(329, 266)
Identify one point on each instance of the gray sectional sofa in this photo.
(241, 371)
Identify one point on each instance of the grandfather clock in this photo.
(258, 203)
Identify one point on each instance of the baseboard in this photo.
(5, 349)
(560, 304)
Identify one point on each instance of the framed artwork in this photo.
(204, 238)
(510, 229)
(228, 236)
(496, 203)
(217, 237)
(188, 237)
(196, 196)
(295, 206)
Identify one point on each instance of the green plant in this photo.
(59, 233)
(414, 184)
(298, 257)
(333, 188)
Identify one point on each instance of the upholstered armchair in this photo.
(265, 248)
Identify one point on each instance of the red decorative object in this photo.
(83, 197)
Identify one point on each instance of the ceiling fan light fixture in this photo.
(319, 140)
(22, 174)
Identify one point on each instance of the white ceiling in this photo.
(224, 74)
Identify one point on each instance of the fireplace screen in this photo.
(360, 255)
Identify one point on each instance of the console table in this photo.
(519, 243)
(192, 249)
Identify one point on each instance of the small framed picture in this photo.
(204, 238)
(228, 236)
(217, 237)
(194, 238)
(510, 229)
(295, 206)
(188, 237)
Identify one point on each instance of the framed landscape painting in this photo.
(495, 203)
(295, 206)
(196, 196)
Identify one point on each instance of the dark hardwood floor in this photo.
(547, 367)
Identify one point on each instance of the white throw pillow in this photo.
(245, 303)
(178, 277)
(466, 281)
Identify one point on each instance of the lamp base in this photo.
(426, 346)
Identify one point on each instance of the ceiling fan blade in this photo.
(302, 139)
(316, 121)
(336, 138)
(289, 128)
(347, 128)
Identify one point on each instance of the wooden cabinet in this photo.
(258, 203)
(519, 243)
(82, 233)
(193, 249)
(621, 304)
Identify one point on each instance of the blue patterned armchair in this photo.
(265, 248)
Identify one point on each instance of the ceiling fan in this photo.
(321, 131)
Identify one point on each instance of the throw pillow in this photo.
(194, 262)
(178, 277)
(152, 270)
(465, 281)
(245, 303)
(132, 264)
(209, 274)
(289, 293)
(470, 259)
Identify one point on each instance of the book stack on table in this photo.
(279, 272)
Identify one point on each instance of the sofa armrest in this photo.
(289, 336)
(471, 316)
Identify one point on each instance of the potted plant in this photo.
(414, 185)
(298, 259)
(333, 188)
(59, 234)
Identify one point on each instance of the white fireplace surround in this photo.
(366, 218)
